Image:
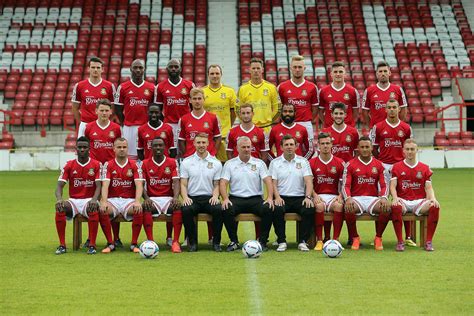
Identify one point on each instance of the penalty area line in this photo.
(253, 284)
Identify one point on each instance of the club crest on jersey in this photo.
(419, 175)
(265, 92)
(129, 172)
(374, 170)
(333, 169)
(348, 138)
(304, 92)
(146, 92)
(111, 134)
(253, 167)
(298, 165)
(184, 91)
(254, 139)
(210, 165)
(297, 134)
(103, 91)
(346, 96)
(392, 95)
(167, 170)
(401, 133)
(223, 95)
(163, 135)
(206, 125)
(91, 171)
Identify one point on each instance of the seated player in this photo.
(161, 192)
(292, 189)
(122, 188)
(327, 173)
(413, 192)
(83, 175)
(365, 191)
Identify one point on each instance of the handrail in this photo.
(460, 118)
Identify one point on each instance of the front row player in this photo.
(161, 194)
(83, 175)
(365, 191)
(413, 192)
(122, 189)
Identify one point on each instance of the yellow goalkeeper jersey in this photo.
(265, 100)
(220, 101)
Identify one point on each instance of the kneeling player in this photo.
(83, 175)
(161, 191)
(327, 172)
(412, 192)
(122, 188)
(365, 191)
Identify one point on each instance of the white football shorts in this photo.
(366, 204)
(413, 206)
(121, 206)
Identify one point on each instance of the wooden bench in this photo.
(247, 217)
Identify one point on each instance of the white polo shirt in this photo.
(200, 173)
(290, 175)
(245, 178)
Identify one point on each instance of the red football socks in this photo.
(433, 217)
(137, 223)
(177, 221)
(116, 230)
(407, 225)
(257, 230)
(61, 227)
(210, 232)
(106, 226)
(148, 225)
(327, 229)
(93, 224)
(397, 222)
(169, 229)
(351, 224)
(382, 222)
(318, 224)
(337, 221)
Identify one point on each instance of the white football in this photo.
(252, 249)
(149, 249)
(332, 248)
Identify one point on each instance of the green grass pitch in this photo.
(33, 280)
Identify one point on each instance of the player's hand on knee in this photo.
(340, 200)
(317, 199)
(60, 206)
(147, 205)
(92, 206)
(350, 205)
(214, 200)
(307, 202)
(174, 204)
(226, 204)
(279, 201)
(103, 207)
(434, 203)
(271, 203)
(384, 205)
(137, 207)
(396, 202)
(187, 201)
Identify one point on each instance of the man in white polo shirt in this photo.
(293, 189)
(245, 174)
(200, 175)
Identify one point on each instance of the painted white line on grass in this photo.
(252, 280)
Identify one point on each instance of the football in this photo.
(149, 249)
(332, 248)
(252, 249)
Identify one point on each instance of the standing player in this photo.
(155, 128)
(263, 96)
(249, 129)
(220, 100)
(88, 92)
(301, 93)
(327, 172)
(122, 189)
(304, 142)
(388, 137)
(338, 91)
(376, 96)
(365, 191)
(245, 174)
(132, 100)
(413, 192)
(83, 175)
(161, 194)
(200, 175)
(173, 96)
(196, 122)
(293, 192)
(102, 133)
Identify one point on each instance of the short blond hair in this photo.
(297, 58)
(195, 91)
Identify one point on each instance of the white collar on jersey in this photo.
(408, 165)
(377, 85)
(298, 85)
(371, 158)
(121, 166)
(158, 164)
(175, 85)
(82, 165)
(155, 128)
(102, 128)
(94, 85)
(343, 86)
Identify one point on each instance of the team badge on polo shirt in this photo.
(392, 95)
(348, 138)
(265, 92)
(223, 96)
(210, 165)
(401, 133)
(253, 167)
(333, 169)
(146, 92)
(297, 134)
(255, 139)
(346, 96)
(206, 125)
(419, 175)
(103, 91)
(163, 135)
(91, 172)
(167, 170)
(111, 134)
(304, 93)
(298, 165)
(129, 173)
(374, 170)
(184, 91)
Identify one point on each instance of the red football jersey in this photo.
(135, 100)
(87, 95)
(344, 143)
(146, 134)
(328, 95)
(175, 99)
(326, 175)
(81, 178)
(375, 100)
(102, 140)
(256, 135)
(159, 177)
(122, 178)
(411, 180)
(304, 97)
(297, 131)
(362, 179)
(190, 126)
(390, 139)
